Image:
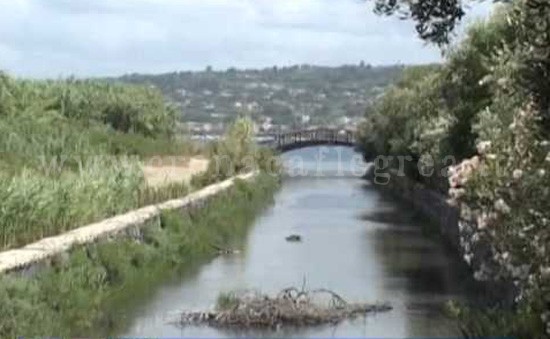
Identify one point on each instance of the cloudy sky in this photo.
(51, 38)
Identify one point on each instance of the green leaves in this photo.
(435, 19)
(236, 153)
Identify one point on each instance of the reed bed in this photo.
(35, 206)
(70, 153)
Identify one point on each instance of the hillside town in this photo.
(276, 99)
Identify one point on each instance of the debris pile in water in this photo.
(291, 307)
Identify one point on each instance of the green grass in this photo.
(78, 295)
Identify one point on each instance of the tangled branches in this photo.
(290, 307)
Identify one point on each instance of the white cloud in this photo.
(106, 37)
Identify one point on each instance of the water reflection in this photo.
(355, 241)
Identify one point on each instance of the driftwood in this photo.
(290, 307)
(222, 251)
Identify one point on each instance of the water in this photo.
(356, 242)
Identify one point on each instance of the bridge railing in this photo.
(315, 136)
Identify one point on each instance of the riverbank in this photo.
(75, 296)
(444, 218)
(125, 225)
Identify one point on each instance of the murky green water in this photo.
(356, 242)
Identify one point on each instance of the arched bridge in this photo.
(288, 141)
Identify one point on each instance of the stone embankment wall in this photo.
(432, 204)
(125, 225)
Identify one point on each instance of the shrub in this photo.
(236, 153)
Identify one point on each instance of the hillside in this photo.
(274, 96)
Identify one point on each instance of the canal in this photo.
(355, 241)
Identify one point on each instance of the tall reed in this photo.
(61, 149)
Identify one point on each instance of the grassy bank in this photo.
(75, 296)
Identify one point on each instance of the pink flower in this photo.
(517, 174)
(502, 207)
(483, 147)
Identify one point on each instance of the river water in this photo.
(355, 241)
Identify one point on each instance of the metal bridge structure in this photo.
(288, 141)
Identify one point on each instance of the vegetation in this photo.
(124, 108)
(435, 19)
(72, 150)
(486, 107)
(62, 119)
(237, 153)
(78, 296)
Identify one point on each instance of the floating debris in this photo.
(291, 307)
(294, 238)
(222, 251)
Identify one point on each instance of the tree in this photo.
(436, 21)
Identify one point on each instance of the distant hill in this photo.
(278, 95)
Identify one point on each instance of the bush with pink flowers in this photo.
(488, 109)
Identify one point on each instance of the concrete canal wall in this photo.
(125, 225)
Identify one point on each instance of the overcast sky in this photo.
(51, 38)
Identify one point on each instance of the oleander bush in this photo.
(486, 110)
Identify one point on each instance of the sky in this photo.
(55, 38)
